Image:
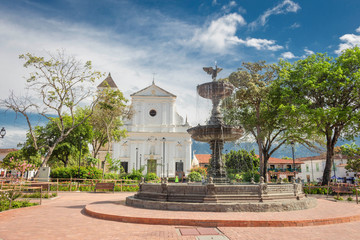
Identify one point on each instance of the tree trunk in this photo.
(266, 159)
(330, 145)
(46, 159)
(66, 161)
(259, 142)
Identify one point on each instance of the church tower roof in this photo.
(109, 81)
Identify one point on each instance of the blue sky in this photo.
(173, 39)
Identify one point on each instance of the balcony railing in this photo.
(284, 170)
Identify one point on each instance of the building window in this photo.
(152, 112)
(307, 168)
(317, 167)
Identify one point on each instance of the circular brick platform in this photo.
(326, 212)
(268, 206)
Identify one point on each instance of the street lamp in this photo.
(140, 162)
(2, 132)
(80, 144)
(293, 157)
(163, 163)
(137, 155)
(335, 179)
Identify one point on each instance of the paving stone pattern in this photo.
(62, 218)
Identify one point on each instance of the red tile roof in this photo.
(203, 158)
(7, 150)
(321, 157)
(282, 161)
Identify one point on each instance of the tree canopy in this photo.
(320, 95)
(353, 157)
(107, 118)
(69, 148)
(251, 107)
(61, 83)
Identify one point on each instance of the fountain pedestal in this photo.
(215, 132)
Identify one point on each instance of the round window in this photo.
(152, 112)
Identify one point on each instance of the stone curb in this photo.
(219, 223)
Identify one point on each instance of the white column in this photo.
(187, 160)
(171, 112)
(164, 112)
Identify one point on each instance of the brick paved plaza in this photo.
(63, 218)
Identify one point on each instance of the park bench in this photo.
(341, 189)
(44, 186)
(105, 186)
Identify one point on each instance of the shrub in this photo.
(135, 175)
(195, 177)
(73, 172)
(315, 190)
(350, 199)
(4, 204)
(339, 198)
(151, 177)
(201, 170)
(246, 176)
(111, 176)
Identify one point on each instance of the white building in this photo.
(157, 137)
(313, 168)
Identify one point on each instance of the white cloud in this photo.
(349, 41)
(228, 6)
(285, 7)
(358, 30)
(308, 52)
(261, 44)
(295, 25)
(241, 10)
(288, 55)
(220, 35)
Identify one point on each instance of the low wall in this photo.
(219, 198)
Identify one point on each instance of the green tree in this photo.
(114, 164)
(241, 161)
(69, 148)
(320, 96)
(251, 107)
(353, 157)
(61, 83)
(107, 118)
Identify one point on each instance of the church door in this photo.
(151, 166)
(125, 166)
(179, 166)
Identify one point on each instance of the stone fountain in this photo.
(215, 132)
(217, 194)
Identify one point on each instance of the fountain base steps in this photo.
(214, 197)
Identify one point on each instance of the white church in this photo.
(157, 138)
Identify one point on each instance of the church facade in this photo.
(157, 138)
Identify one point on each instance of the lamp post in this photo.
(140, 162)
(137, 155)
(293, 157)
(335, 179)
(80, 145)
(163, 163)
(2, 132)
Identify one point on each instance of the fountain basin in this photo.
(211, 90)
(206, 133)
(221, 198)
